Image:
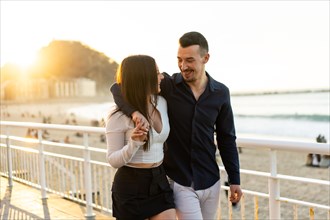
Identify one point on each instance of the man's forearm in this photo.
(124, 106)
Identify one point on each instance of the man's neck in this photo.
(198, 86)
(199, 83)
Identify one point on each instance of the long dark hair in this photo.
(137, 75)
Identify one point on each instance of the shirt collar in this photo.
(212, 84)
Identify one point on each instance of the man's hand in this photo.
(138, 118)
(235, 193)
(139, 133)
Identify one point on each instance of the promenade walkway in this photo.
(24, 202)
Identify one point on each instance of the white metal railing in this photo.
(88, 181)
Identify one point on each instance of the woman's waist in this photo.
(144, 165)
(146, 159)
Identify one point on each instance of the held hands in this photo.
(140, 132)
(235, 193)
(137, 117)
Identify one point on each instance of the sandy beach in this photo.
(289, 163)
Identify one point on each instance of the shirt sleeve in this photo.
(120, 153)
(226, 139)
(164, 84)
(119, 100)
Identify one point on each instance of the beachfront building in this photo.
(38, 89)
(81, 87)
(86, 87)
(25, 89)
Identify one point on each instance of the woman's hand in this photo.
(137, 117)
(140, 133)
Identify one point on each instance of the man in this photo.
(198, 106)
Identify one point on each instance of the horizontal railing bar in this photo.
(100, 163)
(21, 139)
(99, 150)
(265, 195)
(87, 129)
(74, 146)
(302, 179)
(22, 148)
(283, 177)
(287, 145)
(58, 144)
(52, 143)
(282, 199)
(245, 191)
(255, 173)
(45, 142)
(252, 172)
(75, 158)
(63, 156)
(299, 202)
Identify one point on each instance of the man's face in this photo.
(191, 63)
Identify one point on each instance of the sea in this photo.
(285, 116)
(297, 116)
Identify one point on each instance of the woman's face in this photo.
(160, 77)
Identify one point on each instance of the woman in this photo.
(140, 189)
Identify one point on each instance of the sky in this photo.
(269, 45)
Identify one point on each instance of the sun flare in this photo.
(25, 60)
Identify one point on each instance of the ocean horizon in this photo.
(288, 115)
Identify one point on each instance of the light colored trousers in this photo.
(196, 204)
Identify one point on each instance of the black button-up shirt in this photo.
(190, 157)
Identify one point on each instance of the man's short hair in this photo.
(194, 38)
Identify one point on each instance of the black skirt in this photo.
(140, 193)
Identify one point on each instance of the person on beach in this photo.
(140, 188)
(198, 107)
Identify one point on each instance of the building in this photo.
(37, 89)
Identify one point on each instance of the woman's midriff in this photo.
(144, 165)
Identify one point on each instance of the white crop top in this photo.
(122, 149)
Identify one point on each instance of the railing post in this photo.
(88, 180)
(9, 159)
(274, 188)
(42, 170)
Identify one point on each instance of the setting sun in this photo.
(24, 59)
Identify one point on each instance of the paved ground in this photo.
(24, 202)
